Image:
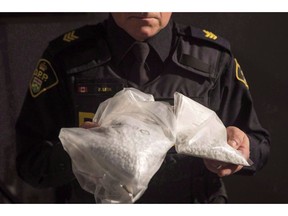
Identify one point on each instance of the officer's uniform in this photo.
(82, 68)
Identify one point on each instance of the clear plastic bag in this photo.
(201, 133)
(116, 161)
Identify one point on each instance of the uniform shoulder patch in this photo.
(44, 77)
(239, 74)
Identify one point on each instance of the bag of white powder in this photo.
(201, 133)
(116, 161)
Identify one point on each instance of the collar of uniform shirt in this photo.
(120, 42)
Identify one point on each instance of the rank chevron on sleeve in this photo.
(70, 36)
(210, 35)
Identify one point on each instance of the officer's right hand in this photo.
(89, 124)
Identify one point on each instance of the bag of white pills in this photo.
(116, 160)
(201, 133)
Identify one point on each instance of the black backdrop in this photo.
(259, 42)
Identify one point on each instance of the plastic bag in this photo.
(116, 161)
(201, 133)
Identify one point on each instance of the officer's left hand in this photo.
(238, 140)
(88, 124)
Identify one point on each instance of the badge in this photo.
(240, 75)
(44, 78)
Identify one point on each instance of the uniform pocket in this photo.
(90, 93)
(90, 85)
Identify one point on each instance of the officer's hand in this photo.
(238, 140)
(89, 124)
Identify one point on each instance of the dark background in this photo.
(259, 42)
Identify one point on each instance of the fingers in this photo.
(238, 140)
(214, 165)
(245, 147)
(234, 136)
(220, 168)
(229, 169)
(88, 125)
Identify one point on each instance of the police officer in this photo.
(150, 52)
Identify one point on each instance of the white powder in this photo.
(117, 160)
(129, 151)
(201, 133)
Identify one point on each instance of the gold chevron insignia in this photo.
(210, 35)
(70, 36)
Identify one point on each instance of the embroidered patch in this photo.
(240, 75)
(70, 36)
(44, 78)
(210, 35)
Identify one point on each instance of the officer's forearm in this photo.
(259, 151)
(43, 163)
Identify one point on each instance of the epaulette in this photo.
(204, 34)
(75, 37)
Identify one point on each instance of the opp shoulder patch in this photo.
(240, 75)
(44, 78)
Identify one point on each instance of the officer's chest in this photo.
(91, 85)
